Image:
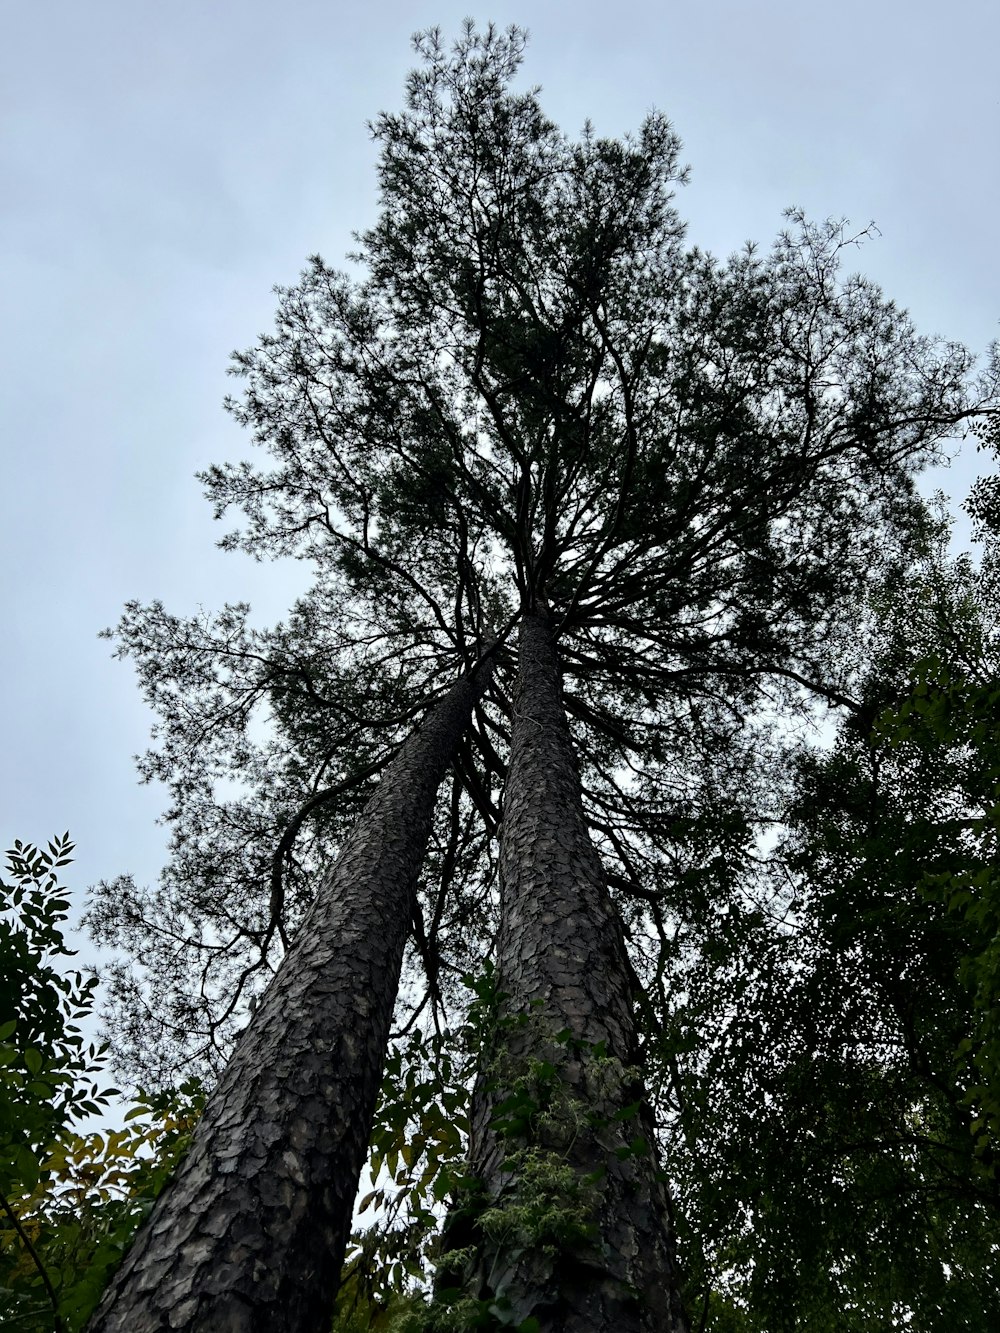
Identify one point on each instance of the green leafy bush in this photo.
(70, 1200)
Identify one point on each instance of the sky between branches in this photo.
(163, 166)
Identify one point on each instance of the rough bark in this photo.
(250, 1234)
(571, 1221)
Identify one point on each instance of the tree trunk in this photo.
(250, 1234)
(568, 1219)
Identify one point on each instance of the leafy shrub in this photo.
(70, 1200)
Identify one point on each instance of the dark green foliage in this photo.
(70, 1199)
(44, 1055)
(952, 721)
(840, 1081)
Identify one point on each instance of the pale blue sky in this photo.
(162, 165)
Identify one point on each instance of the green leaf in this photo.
(440, 1187)
(27, 1166)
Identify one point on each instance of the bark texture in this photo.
(250, 1234)
(572, 1222)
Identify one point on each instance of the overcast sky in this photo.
(163, 165)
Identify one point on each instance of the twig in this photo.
(26, 1239)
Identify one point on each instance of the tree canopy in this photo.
(535, 384)
(538, 395)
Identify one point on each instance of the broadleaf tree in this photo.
(537, 405)
(837, 1152)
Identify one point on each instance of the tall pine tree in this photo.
(537, 398)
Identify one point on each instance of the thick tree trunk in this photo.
(570, 1219)
(250, 1234)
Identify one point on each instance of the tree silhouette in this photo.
(680, 477)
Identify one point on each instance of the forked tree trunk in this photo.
(249, 1236)
(569, 1222)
